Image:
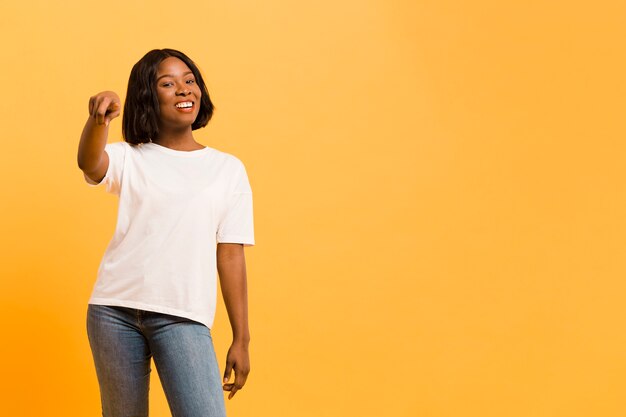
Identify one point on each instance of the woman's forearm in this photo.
(91, 146)
(231, 267)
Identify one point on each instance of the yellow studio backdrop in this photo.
(439, 194)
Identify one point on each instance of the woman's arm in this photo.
(92, 159)
(231, 266)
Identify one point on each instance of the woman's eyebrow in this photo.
(170, 75)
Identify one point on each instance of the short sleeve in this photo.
(237, 223)
(113, 176)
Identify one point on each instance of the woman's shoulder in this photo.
(120, 145)
(228, 158)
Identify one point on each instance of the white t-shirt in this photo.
(174, 207)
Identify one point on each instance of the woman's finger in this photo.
(232, 393)
(227, 371)
(240, 378)
(94, 106)
(232, 388)
(102, 110)
(112, 112)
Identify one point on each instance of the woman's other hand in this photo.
(238, 359)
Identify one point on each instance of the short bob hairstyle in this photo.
(141, 108)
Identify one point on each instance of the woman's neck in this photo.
(179, 140)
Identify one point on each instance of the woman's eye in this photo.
(166, 84)
(190, 81)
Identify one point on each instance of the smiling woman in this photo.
(185, 215)
(159, 71)
(178, 94)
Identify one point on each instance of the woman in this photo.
(185, 213)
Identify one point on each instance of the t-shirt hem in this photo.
(150, 307)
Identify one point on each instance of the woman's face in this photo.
(178, 94)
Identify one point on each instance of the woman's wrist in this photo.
(241, 339)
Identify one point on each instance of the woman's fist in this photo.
(104, 107)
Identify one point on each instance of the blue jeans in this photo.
(123, 340)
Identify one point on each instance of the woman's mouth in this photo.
(185, 106)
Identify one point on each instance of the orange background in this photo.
(439, 194)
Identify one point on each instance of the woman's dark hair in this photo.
(141, 108)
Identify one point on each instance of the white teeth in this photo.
(185, 104)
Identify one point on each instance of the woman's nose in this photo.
(182, 92)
